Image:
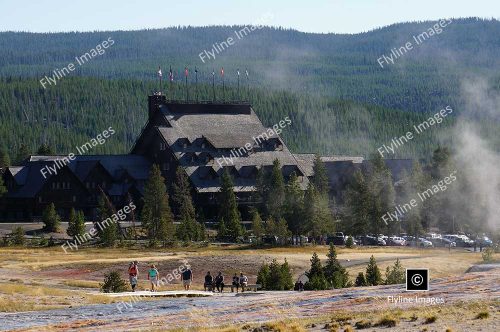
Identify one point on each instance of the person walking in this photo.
(219, 282)
(153, 277)
(133, 274)
(187, 278)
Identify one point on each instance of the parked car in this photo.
(484, 241)
(442, 242)
(460, 240)
(396, 241)
(368, 240)
(418, 242)
(339, 239)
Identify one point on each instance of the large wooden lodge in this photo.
(202, 138)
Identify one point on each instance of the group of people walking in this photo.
(211, 284)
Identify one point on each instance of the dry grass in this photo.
(82, 283)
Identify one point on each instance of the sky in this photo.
(321, 16)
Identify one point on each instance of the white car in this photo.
(397, 241)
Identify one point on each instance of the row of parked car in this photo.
(430, 240)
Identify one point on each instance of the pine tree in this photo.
(335, 274)
(22, 154)
(4, 159)
(76, 223)
(222, 230)
(51, 219)
(286, 275)
(396, 274)
(318, 215)
(257, 227)
(320, 177)
(356, 206)
(294, 205)
(317, 280)
(45, 150)
(156, 214)
(263, 276)
(17, 236)
(373, 275)
(260, 193)
(360, 280)
(108, 231)
(3, 189)
(276, 194)
(188, 229)
(275, 281)
(228, 208)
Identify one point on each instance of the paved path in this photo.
(252, 307)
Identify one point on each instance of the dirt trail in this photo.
(230, 309)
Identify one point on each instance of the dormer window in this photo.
(203, 145)
(184, 145)
(163, 146)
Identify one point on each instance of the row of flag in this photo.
(186, 73)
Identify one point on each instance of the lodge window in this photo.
(103, 185)
(163, 146)
(93, 185)
(203, 145)
(53, 185)
(87, 184)
(74, 199)
(39, 199)
(166, 166)
(184, 145)
(58, 185)
(69, 185)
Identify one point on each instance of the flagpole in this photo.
(223, 85)
(186, 74)
(196, 82)
(213, 83)
(239, 98)
(248, 85)
(159, 74)
(171, 78)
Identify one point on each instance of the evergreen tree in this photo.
(222, 230)
(76, 223)
(320, 177)
(51, 219)
(263, 276)
(156, 214)
(317, 213)
(260, 193)
(45, 150)
(108, 232)
(188, 229)
(276, 194)
(294, 205)
(278, 228)
(22, 154)
(17, 236)
(356, 206)
(275, 281)
(373, 275)
(349, 243)
(396, 274)
(228, 208)
(317, 280)
(382, 194)
(3, 189)
(257, 227)
(360, 280)
(286, 275)
(335, 274)
(4, 159)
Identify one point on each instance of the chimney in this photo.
(154, 103)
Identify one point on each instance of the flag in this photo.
(186, 71)
(171, 75)
(196, 70)
(246, 72)
(238, 72)
(213, 72)
(159, 72)
(222, 71)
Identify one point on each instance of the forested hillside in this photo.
(333, 65)
(339, 98)
(80, 108)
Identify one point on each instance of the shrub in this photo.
(387, 321)
(349, 243)
(483, 315)
(113, 283)
(488, 255)
(18, 238)
(275, 276)
(51, 219)
(360, 280)
(363, 324)
(430, 319)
